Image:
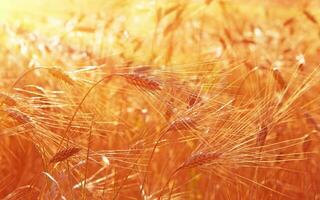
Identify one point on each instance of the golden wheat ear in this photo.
(199, 159)
(18, 116)
(142, 81)
(312, 121)
(64, 154)
(194, 99)
(279, 78)
(310, 17)
(262, 135)
(8, 100)
(61, 75)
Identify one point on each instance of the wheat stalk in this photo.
(23, 192)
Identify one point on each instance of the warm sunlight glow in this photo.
(159, 99)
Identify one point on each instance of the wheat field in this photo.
(159, 99)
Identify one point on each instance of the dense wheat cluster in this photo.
(160, 99)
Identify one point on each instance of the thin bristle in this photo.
(183, 124)
(23, 192)
(35, 88)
